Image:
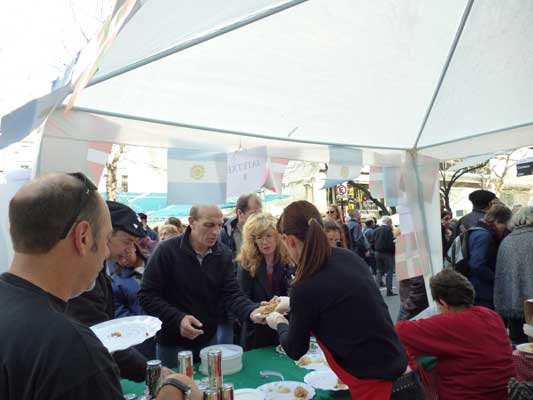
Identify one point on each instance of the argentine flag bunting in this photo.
(196, 177)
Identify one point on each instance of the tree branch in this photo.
(377, 202)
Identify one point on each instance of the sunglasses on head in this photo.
(87, 187)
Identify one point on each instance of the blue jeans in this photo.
(169, 354)
(385, 266)
(225, 333)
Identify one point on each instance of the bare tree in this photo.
(447, 184)
(112, 168)
(382, 207)
(500, 166)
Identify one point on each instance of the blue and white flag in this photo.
(344, 164)
(196, 177)
(19, 123)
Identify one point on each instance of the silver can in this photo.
(214, 368)
(154, 378)
(227, 391)
(130, 396)
(211, 394)
(185, 363)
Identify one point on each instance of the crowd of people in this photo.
(88, 261)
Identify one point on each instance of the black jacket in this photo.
(342, 307)
(258, 289)
(175, 285)
(98, 305)
(384, 240)
(226, 235)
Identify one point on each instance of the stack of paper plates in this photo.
(231, 358)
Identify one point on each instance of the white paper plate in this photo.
(248, 394)
(325, 380)
(317, 362)
(275, 390)
(122, 333)
(525, 348)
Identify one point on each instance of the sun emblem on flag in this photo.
(345, 171)
(197, 172)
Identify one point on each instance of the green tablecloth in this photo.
(254, 361)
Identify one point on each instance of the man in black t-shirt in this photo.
(60, 228)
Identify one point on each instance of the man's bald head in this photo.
(205, 223)
(204, 211)
(41, 209)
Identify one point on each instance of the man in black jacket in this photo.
(384, 251)
(98, 305)
(186, 280)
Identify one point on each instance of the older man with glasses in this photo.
(60, 229)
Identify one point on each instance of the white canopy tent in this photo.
(409, 82)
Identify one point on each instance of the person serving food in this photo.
(335, 299)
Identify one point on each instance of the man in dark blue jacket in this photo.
(231, 234)
(483, 244)
(384, 250)
(186, 280)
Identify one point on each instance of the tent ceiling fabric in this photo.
(346, 72)
(489, 82)
(85, 126)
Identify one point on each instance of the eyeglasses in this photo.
(267, 237)
(87, 188)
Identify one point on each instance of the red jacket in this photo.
(474, 355)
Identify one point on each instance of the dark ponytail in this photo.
(302, 220)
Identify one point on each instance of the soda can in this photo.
(154, 378)
(211, 394)
(185, 363)
(214, 368)
(227, 391)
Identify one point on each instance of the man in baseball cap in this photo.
(481, 200)
(98, 305)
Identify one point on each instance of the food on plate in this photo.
(340, 385)
(305, 360)
(300, 393)
(116, 334)
(270, 307)
(283, 389)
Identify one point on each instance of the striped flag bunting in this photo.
(97, 157)
(196, 177)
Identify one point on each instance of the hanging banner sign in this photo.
(247, 171)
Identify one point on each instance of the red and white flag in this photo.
(97, 157)
(276, 171)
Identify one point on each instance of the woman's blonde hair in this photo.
(250, 257)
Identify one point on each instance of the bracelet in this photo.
(182, 387)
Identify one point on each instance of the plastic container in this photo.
(231, 358)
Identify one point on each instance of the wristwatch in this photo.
(185, 389)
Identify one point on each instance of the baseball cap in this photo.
(125, 219)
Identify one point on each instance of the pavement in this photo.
(393, 302)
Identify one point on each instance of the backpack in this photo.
(359, 243)
(458, 253)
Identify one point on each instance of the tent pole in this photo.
(414, 158)
(451, 53)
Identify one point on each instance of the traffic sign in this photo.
(341, 190)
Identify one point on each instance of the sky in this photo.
(38, 39)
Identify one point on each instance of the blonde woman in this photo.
(264, 272)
